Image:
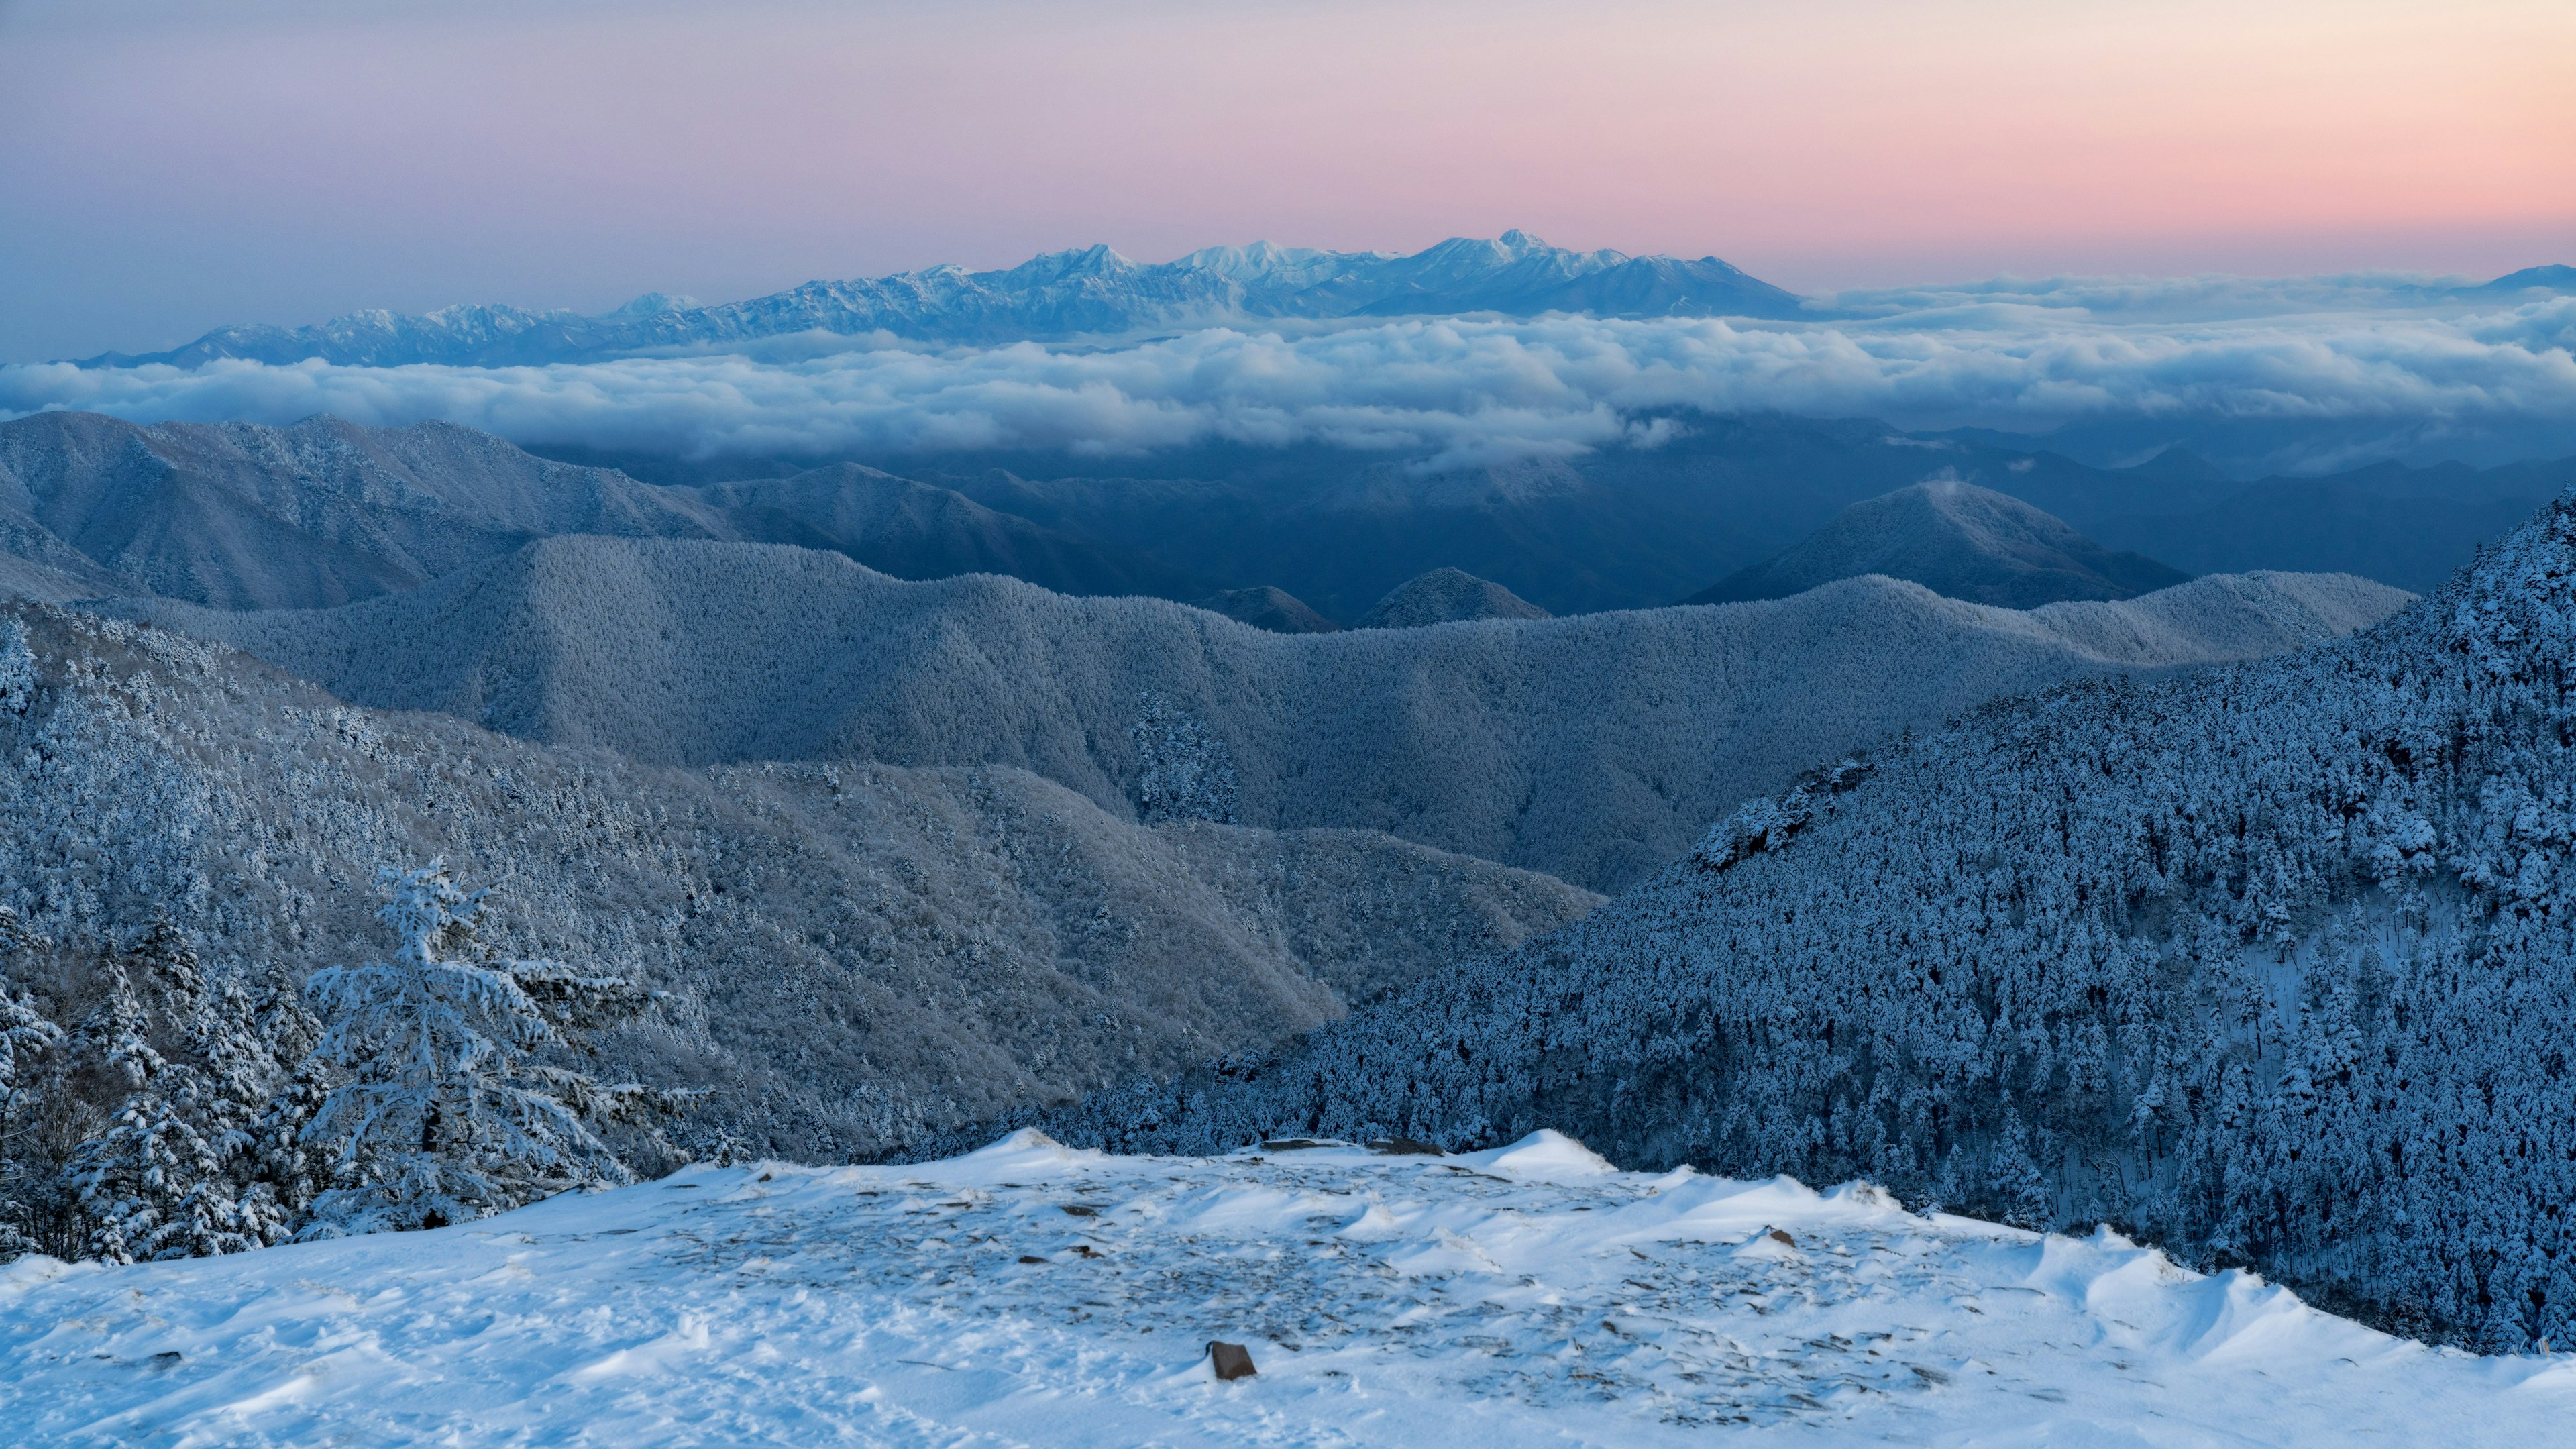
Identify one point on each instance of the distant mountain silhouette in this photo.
(1443, 596)
(2553, 277)
(1959, 541)
(916, 531)
(1268, 608)
(1088, 291)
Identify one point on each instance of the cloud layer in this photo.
(1451, 390)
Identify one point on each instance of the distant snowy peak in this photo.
(1084, 292)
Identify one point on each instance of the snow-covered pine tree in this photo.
(25, 1038)
(188, 1165)
(448, 1112)
(282, 1160)
(17, 669)
(129, 1179)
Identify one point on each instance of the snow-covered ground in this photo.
(1029, 1294)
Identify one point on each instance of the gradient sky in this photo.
(171, 165)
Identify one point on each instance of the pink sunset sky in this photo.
(168, 167)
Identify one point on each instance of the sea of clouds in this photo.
(2023, 357)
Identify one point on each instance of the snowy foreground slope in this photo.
(1030, 1293)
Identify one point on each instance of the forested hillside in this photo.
(238, 516)
(1593, 748)
(2270, 964)
(853, 953)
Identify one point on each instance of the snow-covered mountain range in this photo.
(1595, 748)
(1086, 292)
(323, 512)
(2270, 963)
(851, 952)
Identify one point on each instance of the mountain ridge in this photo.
(326, 512)
(1593, 747)
(851, 951)
(2265, 963)
(1958, 540)
(1085, 291)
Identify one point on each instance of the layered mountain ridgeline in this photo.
(240, 516)
(1638, 527)
(325, 512)
(1594, 748)
(916, 531)
(853, 953)
(1091, 291)
(2270, 963)
(1959, 541)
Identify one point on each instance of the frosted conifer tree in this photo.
(17, 669)
(448, 1112)
(131, 1180)
(178, 1172)
(25, 1036)
(1184, 772)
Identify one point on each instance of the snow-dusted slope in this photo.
(1446, 596)
(1082, 292)
(1028, 1295)
(1595, 748)
(2273, 963)
(240, 516)
(913, 530)
(854, 953)
(1267, 607)
(1958, 540)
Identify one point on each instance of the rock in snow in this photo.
(1530, 1295)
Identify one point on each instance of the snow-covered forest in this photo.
(1594, 748)
(184, 1115)
(2268, 964)
(2257, 960)
(849, 954)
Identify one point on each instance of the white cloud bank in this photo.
(1455, 389)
